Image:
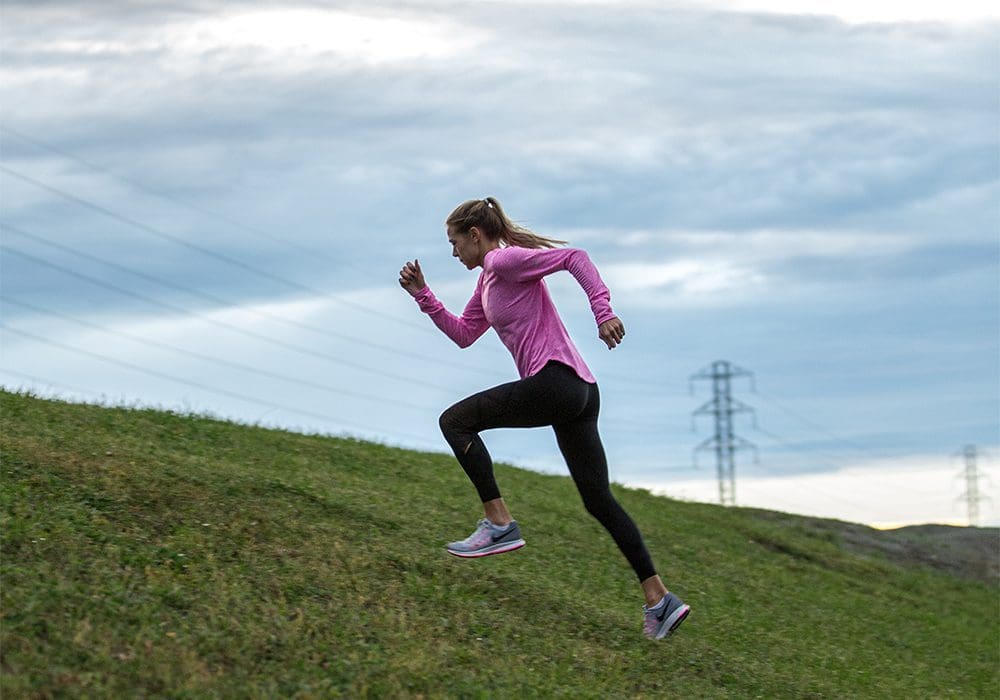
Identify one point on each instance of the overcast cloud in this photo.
(811, 197)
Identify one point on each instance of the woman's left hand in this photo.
(611, 332)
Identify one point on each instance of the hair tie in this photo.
(488, 203)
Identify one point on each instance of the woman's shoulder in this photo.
(512, 255)
(507, 253)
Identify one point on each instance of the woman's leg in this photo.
(581, 446)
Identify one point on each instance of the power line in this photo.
(207, 251)
(256, 371)
(848, 443)
(207, 212)
(227, 303)
(833, 497)
(782, 441)
(215, 322)
(313, 253)
(816, 426)
(197, 385)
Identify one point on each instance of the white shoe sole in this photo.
(487, 551)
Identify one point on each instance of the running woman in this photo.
(556, 387)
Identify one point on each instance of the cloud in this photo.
(782, 267)
(315, 34)
(645, 108)
(861, 12)
(683, 282)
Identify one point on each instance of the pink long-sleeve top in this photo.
(512, 298)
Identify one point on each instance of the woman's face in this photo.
(465, 247)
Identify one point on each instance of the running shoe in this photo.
(664, 617)
(488, 539)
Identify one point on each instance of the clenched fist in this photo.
(611, 332)
(411, 278)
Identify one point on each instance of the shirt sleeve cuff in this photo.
(605, 316)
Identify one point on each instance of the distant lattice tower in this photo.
(722, 406)
(971, 473)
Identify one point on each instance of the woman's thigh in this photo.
(554, 395)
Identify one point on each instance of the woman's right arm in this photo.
(464, 330)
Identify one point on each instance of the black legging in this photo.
(555, 396)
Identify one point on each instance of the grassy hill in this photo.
(152, 554)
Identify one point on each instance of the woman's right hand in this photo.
(612, 332)
(411, 278)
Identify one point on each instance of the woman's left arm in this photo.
(610, 328)
(612, 332)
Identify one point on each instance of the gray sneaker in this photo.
(664, 617)
(488, 539)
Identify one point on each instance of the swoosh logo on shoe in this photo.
(664, 613)
(497, 538)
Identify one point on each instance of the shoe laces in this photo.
(481, 527)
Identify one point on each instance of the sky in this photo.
(204, 207)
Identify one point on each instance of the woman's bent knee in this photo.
(453, 428)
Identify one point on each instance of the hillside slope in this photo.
(152, 554)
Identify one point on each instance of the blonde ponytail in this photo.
(487, 215)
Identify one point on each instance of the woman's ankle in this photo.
(496, 512)
(653, 590)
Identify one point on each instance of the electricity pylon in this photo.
(722, 405)
(971, 495)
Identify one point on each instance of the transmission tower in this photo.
(971, 495)
(723, 406)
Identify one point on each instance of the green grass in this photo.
(149, 554)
